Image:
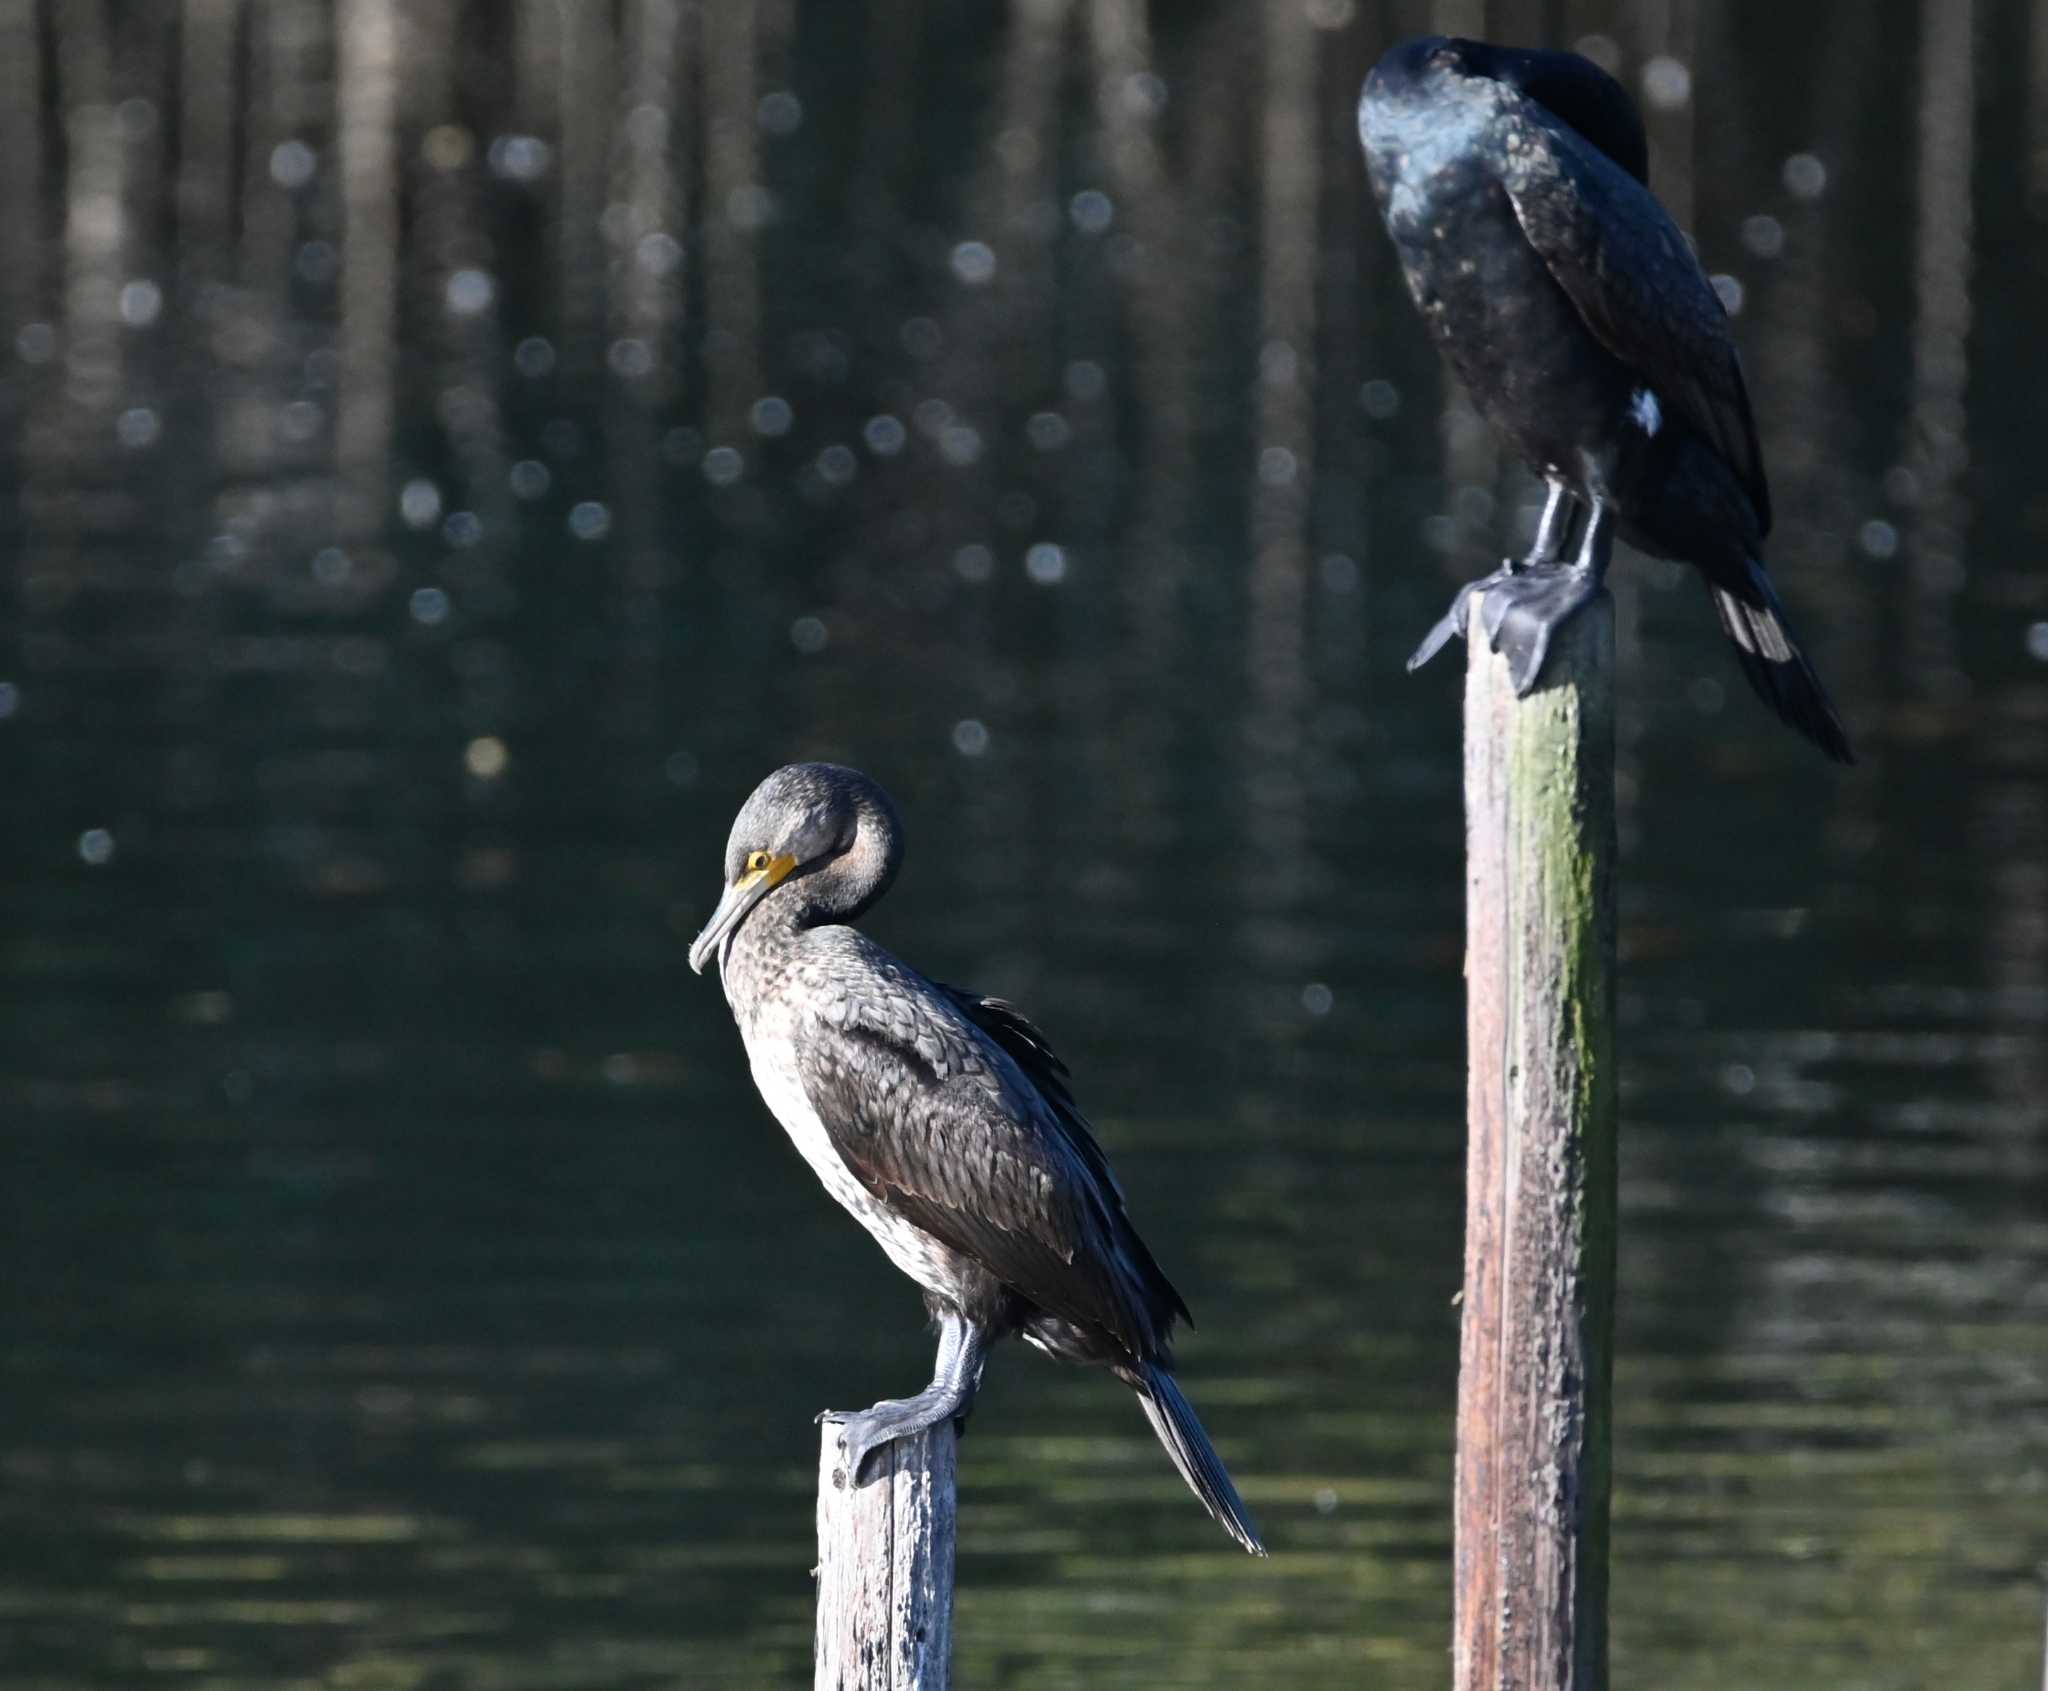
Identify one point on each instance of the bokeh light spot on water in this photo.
(837, 464)
(96, 846)
(809, 635)
(518, 158)
(142, 302)
(2037, 642)
(533, 357)
(429, 606)
(462, 528)
(780, 112)
(590, 519)
(1048, 431)
(1085, 380)
(529, 479)
(1739, 1079)
(974, 562)
(332, 566)
(1144, 94)
(300, 420)
(646, 127)
(974, 262)
(1806, 178)
(1731, 291)
(960, 444)
(1317, 999)
(1046, 563)
(419, 503)
(35, 343)
(751, 208)
(485, 757)
(1667, 83)
(1277, 466)
(1379, 399)
(658, 252)
(10, 699)
(447, 146)
(970, 737)
(1878, 538)
(1092, 211)
(885, 435)
(723, 466)
(470, 292)
(292, 164)
(630, 357)
(771, 417)
(135, 119)
(1603, 50)
(1338, 572)
(1763, 235)
(138, 426)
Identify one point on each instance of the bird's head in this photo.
(1570, 87)
(827, 833)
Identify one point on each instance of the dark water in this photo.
(450, 460)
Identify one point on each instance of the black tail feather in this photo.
(1769, 653)
(1173, 1419)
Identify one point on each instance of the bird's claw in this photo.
(1523, 603)
(860, 1442)
(1521, 615)
(1451, 625)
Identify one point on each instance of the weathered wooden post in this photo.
(1536, 1350)
(885, 1567)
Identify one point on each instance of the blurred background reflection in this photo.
(452, 450)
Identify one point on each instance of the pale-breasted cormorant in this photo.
(1513, 183)
(942, 1120)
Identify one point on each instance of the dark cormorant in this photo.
(1513, 184)
(942, 1120)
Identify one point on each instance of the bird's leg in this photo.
(1520, 614)
(1551, 529)
(963, 1348)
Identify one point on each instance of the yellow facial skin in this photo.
(761, 866)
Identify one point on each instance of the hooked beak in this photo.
(739, 898)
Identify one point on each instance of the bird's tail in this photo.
(1173, 1419)
(1769, 653)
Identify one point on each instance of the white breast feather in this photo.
(911, 1249)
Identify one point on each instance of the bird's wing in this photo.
(1636, 283)
(929, 1118)
(1032, 1052)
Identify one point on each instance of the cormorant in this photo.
(942, 1120)
(1514, 185)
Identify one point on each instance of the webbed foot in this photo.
(1452, 623)
(864, 1432)
(1520, 613)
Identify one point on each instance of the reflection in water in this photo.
(454, 451)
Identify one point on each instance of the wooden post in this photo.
(1536, 1350)
(885, 1567)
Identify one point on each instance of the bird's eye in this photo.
(756, 862)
